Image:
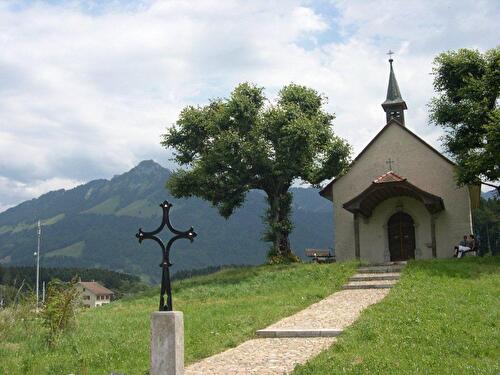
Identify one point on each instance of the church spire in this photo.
(394, 104)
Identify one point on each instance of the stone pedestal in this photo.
(167, 343)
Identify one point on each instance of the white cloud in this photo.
(87, 89)
(308, 20)
(13, 191)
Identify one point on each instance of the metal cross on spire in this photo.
(389, 162)
(189, 234)
(390, 53)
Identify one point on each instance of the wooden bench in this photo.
(474, 251)
(320, 255)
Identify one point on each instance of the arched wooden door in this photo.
(401, 237)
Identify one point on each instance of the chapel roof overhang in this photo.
(387, 186)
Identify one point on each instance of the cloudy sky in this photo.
(88, 87)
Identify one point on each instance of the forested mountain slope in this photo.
(93, 225)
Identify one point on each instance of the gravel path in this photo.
(277, 356)
(339, 310)
(262, 357)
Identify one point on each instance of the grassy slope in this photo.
(74, 251)
(442, 318)
(220, 311)
(22, 226)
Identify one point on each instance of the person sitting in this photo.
(462, 246)
(470, 245)
(474, 244)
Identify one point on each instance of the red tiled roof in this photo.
(96, 288)
(388, 177)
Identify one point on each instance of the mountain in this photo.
(94, 225)
(492, 194)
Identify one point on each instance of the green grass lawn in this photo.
(220, 311)
(442, 318)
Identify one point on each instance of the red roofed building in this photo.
(94, 294)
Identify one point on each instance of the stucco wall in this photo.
(85, 293)
(423, 168)
(103, 301)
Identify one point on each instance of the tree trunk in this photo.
(279, 226)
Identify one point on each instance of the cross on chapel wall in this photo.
(389, 162)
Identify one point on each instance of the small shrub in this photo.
(289, 258)
(60, 308)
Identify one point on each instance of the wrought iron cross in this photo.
(189, 234)
(390, 53)
(389, 162)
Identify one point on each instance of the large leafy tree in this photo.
(233, 145)
(467, 107)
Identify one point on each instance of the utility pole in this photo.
(38, 265)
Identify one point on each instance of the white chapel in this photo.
(399, 199)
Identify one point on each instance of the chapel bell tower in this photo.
(394, 104)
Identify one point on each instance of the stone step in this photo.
(384, 274)
(387, 264)
(368, 286)
(374, 277)
(298, 332)
(373, 282)
(380, 269)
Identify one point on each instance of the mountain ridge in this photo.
(93, 225)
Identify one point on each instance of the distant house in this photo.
(94, 294)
